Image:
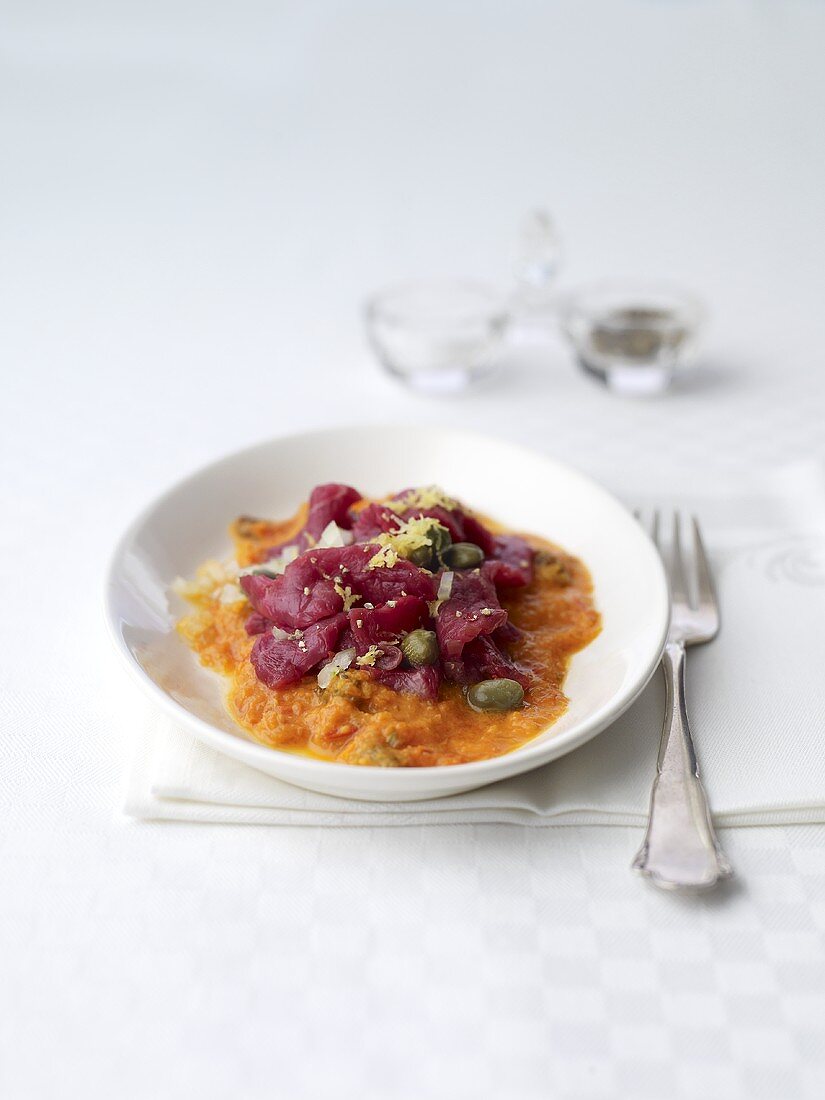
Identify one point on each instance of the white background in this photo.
(196, 199)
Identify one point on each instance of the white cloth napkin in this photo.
(756, 697)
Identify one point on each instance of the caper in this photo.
(462, 555)
(429, 555)
(422, 556)
(440, 538)
(261, 572)
(496, 695)
(420, 648)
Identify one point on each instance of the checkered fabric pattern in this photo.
(520, 963)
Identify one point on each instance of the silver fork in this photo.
(680, 849)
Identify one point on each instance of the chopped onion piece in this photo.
(445, 586)
(231, 593)
(213, 578)
(288, 554)
(331, 669)
(333, 535)
(275, 565)
(280, 635)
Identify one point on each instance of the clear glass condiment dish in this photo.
(437, 336)
(632, 336)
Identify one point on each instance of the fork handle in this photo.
(680, 849)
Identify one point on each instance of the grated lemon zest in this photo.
(385, 558)
(409, 535)
(349, 597)
(370, 657)
(429, 496)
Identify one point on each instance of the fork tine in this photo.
(654, 529)
(678, 582)
(704, 579)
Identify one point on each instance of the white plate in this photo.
(524, 490)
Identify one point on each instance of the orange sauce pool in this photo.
(359, 721)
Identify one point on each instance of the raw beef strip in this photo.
(282, 661)
(423, 682)
(511, 563)
(472, 609)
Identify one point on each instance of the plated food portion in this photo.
(404, 632)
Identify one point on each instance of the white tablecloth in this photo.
(194, 203)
